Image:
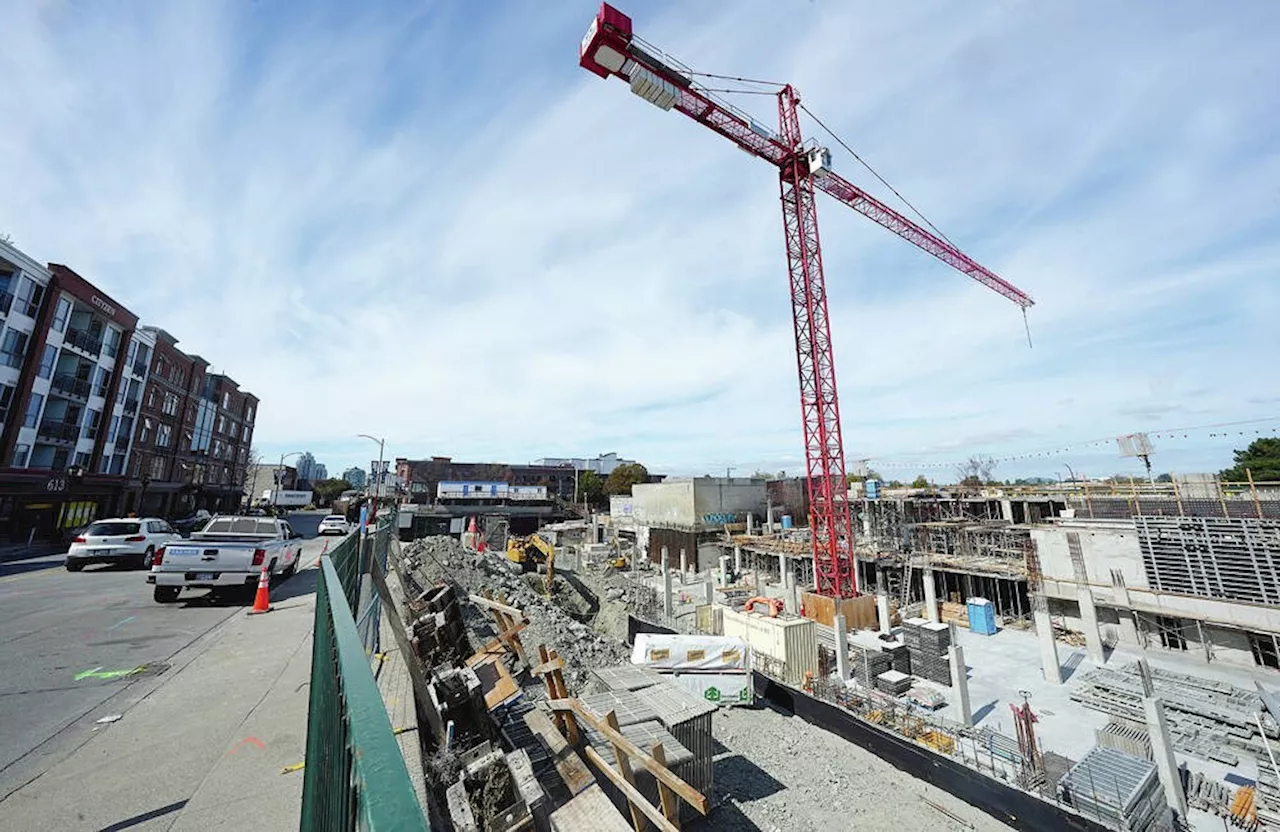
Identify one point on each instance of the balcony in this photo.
(69, 385)
(11, 359)
(83, 341)
(6, 301)
(140, 369)
(58, 431)
(131, 407)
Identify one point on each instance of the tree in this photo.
(1261, 460)
(871, 475)
(1165, 478)
(251, 475)
(975, 470)
(895, 483)
(326, 491)
(625, 476)
(590, 488)
(920, 482)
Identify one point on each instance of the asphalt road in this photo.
(66, 638)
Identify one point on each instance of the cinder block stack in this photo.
(868, 664)
(894, 683)
(927, 645)
(899, 657)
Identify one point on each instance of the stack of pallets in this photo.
(893, 683)
(1120, 790)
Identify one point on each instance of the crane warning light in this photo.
(604, 47)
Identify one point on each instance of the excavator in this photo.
(532, 552)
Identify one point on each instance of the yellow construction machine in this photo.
(530, 552)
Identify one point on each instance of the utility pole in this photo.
(378, 473)
(275, 495)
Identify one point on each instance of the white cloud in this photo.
(435, 227)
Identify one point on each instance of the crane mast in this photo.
(611, 49)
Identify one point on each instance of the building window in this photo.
(145, 433)
(164, 436)
(170, 407)
(226, 401)
(13, 347)
(159, 370)
(111, 343)
(117, 464)
(132, 355)
(246, 433)
(82, 459)
(248, 414)
(157, 468)
(222, 425)
(34, 405)
(20, 455)
(100, 376)
(114, 430)
(6, 399)
(151, 399)
(27, 300)
(61, 314)
(47, 361)
(92, 420)
(60, 458)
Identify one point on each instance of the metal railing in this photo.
(72, 386)
(355, 773)
(82, 340)
(60, 431)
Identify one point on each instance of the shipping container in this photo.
(786, 648)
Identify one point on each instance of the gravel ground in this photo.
(779, 772)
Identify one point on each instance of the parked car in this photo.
(196, 521)
(335, 524)
(133, 540)
(227, 554)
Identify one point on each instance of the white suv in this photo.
(125, 539)
(335, 524)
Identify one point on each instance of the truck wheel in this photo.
(74, 565)
(290, 569)
(166, 594)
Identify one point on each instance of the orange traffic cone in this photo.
(262, 600)
(325, 550)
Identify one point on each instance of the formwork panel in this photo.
(1238, 559)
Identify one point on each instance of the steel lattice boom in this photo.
(610, 49)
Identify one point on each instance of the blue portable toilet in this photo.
(982, 616)
(786, 521)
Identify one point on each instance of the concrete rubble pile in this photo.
(443, 558)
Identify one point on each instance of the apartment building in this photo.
(101, 417)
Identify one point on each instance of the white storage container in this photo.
(785, 648)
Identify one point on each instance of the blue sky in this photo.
(427, 222)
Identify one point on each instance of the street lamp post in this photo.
(275, 495)
(378, 473)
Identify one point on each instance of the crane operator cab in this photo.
(819, 162)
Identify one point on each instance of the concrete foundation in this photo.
(960, 684)
(1162, 753)
(842, 648)
(930, 595)
(1048, 646)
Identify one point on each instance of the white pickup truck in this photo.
(227, 554)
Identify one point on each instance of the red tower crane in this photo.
(610, 49)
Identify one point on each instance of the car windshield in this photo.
(335, 518)
(241, 525)
(108, 529)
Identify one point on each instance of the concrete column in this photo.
(1129, 629)
(724, 570)
(1048, 646)
(795, 598)
(756, 573)
(1162, 753)
(882, 612)
(711, 592)
(665, 559)
(667, 608)
(784, 572)
(842, 648)
(684, 564)
(768, 518)
(751, 524)
(930, 595)
(737, 560)
(1089, 621)
(960, 684)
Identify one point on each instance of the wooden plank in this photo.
(505, 688)
(553, 691)
(490, 604)
(688, 793)
(562, 692)
(501, 641)
(670, 808)
(634, 799)
(590, 810)
(575, 774)
(548, 666)
(633, 794)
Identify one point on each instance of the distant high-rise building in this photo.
(355, 476)
(306, 466)
(321, 472)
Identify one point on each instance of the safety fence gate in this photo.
(355, 778)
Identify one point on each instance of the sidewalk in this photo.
(203, 751)
(21, 551)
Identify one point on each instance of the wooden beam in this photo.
(670, 808)
(502, 638)
(490, 604)
(628, 776)
(688, 793)
(575, 774)
(633, 794)
(562, 692)
(553, 691)
(548, 666)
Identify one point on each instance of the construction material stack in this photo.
(927, 644)
(893, 683)
(1120, 790)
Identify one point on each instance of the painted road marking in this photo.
(252, 740)
(99, 673)
(118, 623)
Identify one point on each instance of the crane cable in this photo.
(733, 78)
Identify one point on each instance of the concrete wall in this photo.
(738, 495)
(1114, 546)
(664, 502)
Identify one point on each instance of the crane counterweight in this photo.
(610, 48)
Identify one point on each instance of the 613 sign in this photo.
(55, 485)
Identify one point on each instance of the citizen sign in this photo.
(103, 305)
